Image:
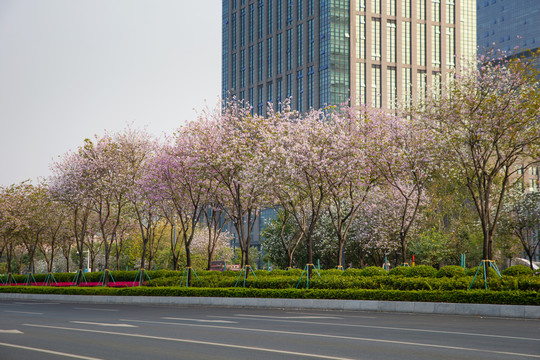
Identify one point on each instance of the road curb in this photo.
(488, 310)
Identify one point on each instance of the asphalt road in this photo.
(52, 330)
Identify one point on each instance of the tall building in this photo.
(512, 26)
(507, 24)
(325, 52)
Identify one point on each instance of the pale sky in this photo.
(70, 69)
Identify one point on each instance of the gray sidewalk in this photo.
(511, 311)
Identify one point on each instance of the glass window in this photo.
(300, 45)
(376, 39)
(269, 53)
(422, 83)
(391, 41)
(376, 6)
(436, 46)
(269, 92)
(450, 47)
(310, 8)
(279, 51)
(311, 42)
(251, 99)
(361, 83)
(260, 101)
(251, 65)
(436, 10)
(360, 36)
(421, 44)
(376, 86)
(233, 72)
(279, 15)
(450, 12)
(421, 9)
(278, 90)
(290, 47)
(406, 8)
(311, 87)
(289, 11)
(242, 69)
(289, 85)
(260, 20)
(260, 61)
(391, 87)
(406, 42)
(269, 17)
(251, 22)
(391, 7)
(233, 30)
(243, 28)
(300, 91)
(407, 85)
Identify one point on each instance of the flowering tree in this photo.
(180, 184)
(351, 173)
(220, 247)
(56, 230)
(68, 186)
(485, 122)
(228, 145)
(10, 223)
(377, 226)
(298, 150)
(406, 162)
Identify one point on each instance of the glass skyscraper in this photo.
(509, 25)
(326, 52)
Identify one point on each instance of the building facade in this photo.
(509, 25)
(327, 52)
(512, 26)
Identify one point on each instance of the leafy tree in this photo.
(521, 218)
(484, 121)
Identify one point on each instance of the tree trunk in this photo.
(310, 256)
(404, 250)
(341, 260)
(188, 264)
(143, 256)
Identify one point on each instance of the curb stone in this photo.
(488, 310)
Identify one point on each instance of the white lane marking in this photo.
(23, 312)
(11, 332)
(37, 303)
(325, 315)
(102, 324)
(74, 356)
(201, 320)
(340, 337)
(96, 309)
(317, 356)
(386, 328)
(305, 317)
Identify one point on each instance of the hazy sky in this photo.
(70, 69)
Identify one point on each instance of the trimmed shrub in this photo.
(451, 271)
(422, 271)
(400, 271)
(518, 270)
(373, 271)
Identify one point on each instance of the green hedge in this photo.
(370, 278)
(456, 296)
(518, 270)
